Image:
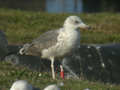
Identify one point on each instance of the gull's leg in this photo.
(52, 67)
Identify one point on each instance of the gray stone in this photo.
(92, 62)
(32, 62)
(3, 45)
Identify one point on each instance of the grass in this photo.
(23, 26)
(10, 73)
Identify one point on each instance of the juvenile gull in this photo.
(56, 43)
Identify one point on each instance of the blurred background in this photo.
(62, 6)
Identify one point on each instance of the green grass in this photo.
(23, 26)
(10, 73)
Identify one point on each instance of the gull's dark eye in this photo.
(76, 22)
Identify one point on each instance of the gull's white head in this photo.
(21, 85)
(74, 22)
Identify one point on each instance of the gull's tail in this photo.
(24, 49)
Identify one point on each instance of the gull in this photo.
(24, 85)
(21, 85)
(56, 43)
(52, 87)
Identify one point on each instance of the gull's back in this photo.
(44, 41)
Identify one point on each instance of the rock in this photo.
(3, 45)
(32, 62)
(96, 62)
(92, 62)
(14, 49)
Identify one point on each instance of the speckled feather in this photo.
(44, 41)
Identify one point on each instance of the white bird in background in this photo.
(56, 43)
(24, 85)
(21, 85)
(52, 87)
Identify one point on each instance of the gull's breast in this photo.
(67, 41)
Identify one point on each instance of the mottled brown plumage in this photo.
(56, 43)
(44, 41)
